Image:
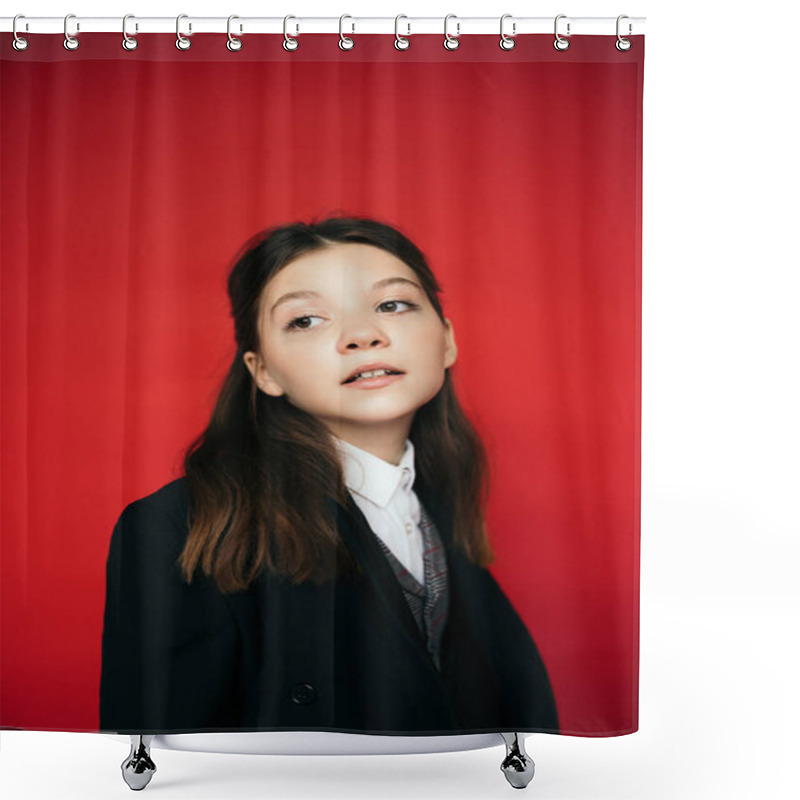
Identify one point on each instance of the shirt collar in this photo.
(372, 477)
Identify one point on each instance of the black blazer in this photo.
(345, 656)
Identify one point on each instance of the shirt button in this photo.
(303, 693)
(409, 527)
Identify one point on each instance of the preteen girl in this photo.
(322, 564)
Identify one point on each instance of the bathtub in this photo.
(138, 768)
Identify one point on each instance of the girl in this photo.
(322, 563)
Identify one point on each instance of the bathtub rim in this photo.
(317, 743)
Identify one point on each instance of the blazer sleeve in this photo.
(170, 650)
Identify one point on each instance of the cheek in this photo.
(305, 362)
(431, 345)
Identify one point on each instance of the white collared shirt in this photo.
(383, 493)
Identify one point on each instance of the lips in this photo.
(372, 366)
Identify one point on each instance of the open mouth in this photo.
(373, 373)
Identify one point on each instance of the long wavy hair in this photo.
(260, 473)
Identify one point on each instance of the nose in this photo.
(355, 343)
(363, 335)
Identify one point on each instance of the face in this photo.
(334, 310)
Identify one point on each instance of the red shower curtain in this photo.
(130, 179)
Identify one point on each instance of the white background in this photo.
(720, 477)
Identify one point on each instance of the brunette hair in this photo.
(260, 473)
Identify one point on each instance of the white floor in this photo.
(719, 695)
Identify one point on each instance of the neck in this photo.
(387, 442)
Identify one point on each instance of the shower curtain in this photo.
(130, 182)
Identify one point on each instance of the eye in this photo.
(395, 302)
(294, 326)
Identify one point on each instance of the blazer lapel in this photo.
(442, 519)
(355, 531)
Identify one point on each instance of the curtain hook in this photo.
(507, 42)
(289, 42)
(623, 44)
(400, 42)
(345, 42)
(233, 44)
(451, 42)
(70, 42)
(19, 43)
(182, 43)
(128, 42)
(561, 43)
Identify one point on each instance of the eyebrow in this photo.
(303, 293)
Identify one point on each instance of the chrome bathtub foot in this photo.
(138, 768)
(517, 766)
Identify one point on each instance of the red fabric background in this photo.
(129, 179)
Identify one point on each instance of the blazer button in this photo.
(303, 693)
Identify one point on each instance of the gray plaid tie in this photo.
(429, 603)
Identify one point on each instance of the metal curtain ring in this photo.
(561, 43)
(19, 43)
(289, 42)
(400, 42)
(623, 44)
(128, 42)
(345, 42)
(70, 42)
(506, 42)
(182, 43)
(233, 44)
(451, 42)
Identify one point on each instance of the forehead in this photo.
(335, 264)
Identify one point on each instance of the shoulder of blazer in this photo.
(146, 545)
(170, 502)
(172, 498)
(156, 524)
